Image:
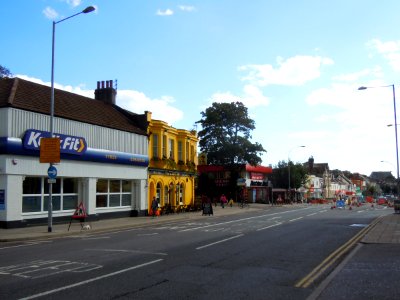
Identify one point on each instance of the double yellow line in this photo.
(331, 259)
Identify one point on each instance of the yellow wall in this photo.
(172, 168)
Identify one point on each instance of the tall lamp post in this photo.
(50, 202)
(289, 167)
(395, 127)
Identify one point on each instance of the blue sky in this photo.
(296, 65)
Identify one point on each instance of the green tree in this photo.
(280, 175)
(4, 72)
(226, 133)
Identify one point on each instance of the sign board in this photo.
(68, 144)
(50, 150)
(52, 172)
(51, 180)
(241, 182)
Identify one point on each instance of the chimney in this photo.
(105, 92)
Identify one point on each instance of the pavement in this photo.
(382, 235)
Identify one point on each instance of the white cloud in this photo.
(252, 96)
(167, 12)
(131, 100)
(138, 102)
(73, 3)
(350, 126)
(50, 13)
(352, 77)
(294, 71)
(186, 8)
(390, 51)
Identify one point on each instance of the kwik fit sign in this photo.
(68, 143)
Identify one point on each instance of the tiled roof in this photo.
(30, 96)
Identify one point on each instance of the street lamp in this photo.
(50, 202)
(289, 166)
(395, 126)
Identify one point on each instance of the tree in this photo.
(225, 134)
(4, 72)
(280, 175)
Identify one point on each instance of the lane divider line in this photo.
(221, 241)
(334, 256)
(270, 226)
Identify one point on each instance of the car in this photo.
(382, 201)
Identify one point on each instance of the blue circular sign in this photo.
(52, 172)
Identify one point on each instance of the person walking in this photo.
(223, 200)
(154, 206)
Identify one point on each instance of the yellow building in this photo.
(172, 166)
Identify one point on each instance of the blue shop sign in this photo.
(68, 143)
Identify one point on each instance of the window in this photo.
(164, 146)
(155, 145)
(171, 148)
(187, 151)
(158, 193)
(113, 193)
(180, 151)
(35, 196)
(166, 195)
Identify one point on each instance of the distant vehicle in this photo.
(382, 201)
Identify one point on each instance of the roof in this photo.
(26, 95)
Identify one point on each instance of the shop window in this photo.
(113, 193)
(158, 193)
(166, 195)
(35, 196)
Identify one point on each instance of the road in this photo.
(263, 254)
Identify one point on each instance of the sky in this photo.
(296, 66)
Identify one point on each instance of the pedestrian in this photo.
(230, 203)
(154, 206)
(223, 200)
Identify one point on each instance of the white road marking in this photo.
(270, 226)
(49, 292)
(147, 234)
(218, 242)
(292, 220)
(127, 251)
(313, 214)
(26, 244)
(96, 238)
(239, 220)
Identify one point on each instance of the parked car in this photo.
(382, 201)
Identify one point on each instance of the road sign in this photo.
(52, 172)
(49, 150)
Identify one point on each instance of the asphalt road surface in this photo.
(263, 254)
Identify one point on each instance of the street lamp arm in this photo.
(85, 11)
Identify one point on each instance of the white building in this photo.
(104, 155)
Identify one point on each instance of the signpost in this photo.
(50, 153)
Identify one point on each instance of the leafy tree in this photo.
(4, 72)
(280, 175)
(225, 134)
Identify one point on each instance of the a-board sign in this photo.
(50, 150)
